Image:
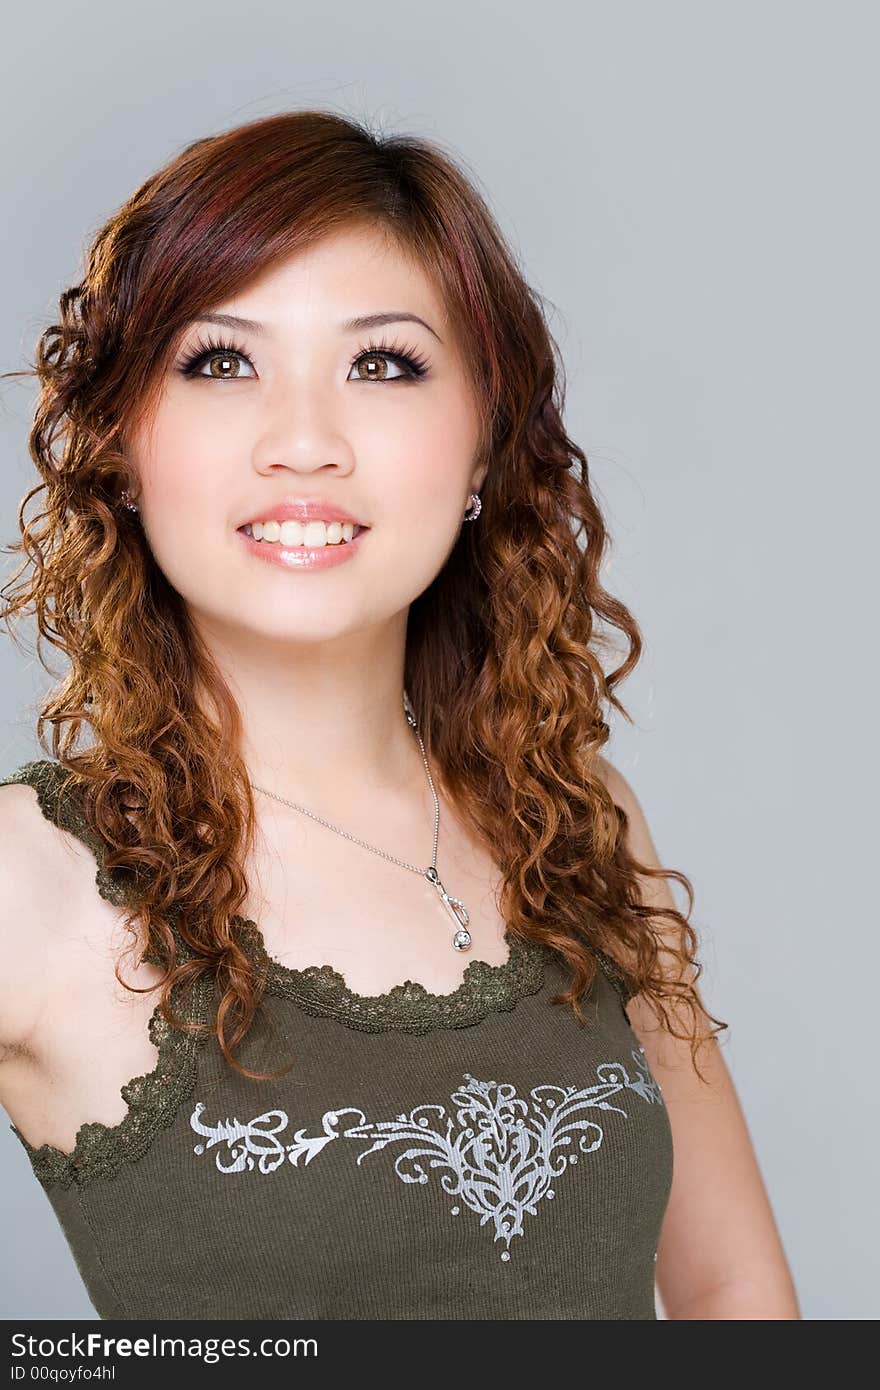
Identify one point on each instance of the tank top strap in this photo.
(60, 797)
(615, 977)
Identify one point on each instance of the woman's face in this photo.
(302, 406)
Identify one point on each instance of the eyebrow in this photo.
(357, 324)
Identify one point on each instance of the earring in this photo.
(132, 506)
(473, 512)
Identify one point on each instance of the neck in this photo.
(323, 724)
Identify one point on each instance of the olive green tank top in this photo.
(473, 1155)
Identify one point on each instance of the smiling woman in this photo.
(330, 416)
(266, 413)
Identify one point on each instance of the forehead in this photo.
(356, 270)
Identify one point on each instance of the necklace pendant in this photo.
(461, 939)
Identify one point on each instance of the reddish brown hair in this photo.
(503, 649)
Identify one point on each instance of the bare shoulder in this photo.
(653, 891)
(623, 795)
(35, 870)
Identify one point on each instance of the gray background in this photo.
(693, 188)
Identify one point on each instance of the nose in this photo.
(300, 431)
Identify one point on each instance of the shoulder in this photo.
(36, 870)
(34, 844)
(28, 843)
(614, 780)
(652, 883)
(638, 835)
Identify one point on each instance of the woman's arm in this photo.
(720, 1255)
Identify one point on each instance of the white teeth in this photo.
(314, 534)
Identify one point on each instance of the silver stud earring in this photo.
(132, 506)
(474, 510)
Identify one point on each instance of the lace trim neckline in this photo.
(409, 1007)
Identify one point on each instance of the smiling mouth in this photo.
(294, 536)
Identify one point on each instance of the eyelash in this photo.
(406, 357)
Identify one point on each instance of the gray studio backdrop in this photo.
(690, 187)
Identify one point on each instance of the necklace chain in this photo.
(462, 938)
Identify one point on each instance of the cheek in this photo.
(432, 468)
(187, 478)
(187, 468)
(423, 516)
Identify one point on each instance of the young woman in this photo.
(340, 976)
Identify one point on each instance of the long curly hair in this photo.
(504, 649)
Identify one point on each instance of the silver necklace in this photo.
(461, 939)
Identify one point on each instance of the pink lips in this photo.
(303, 557)
(303, 509)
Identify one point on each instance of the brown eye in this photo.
(222, 360)
(373, 366)
(224, 365)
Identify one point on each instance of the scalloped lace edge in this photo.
(409, 1007)
(153, 1098)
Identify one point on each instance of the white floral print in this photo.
(495, 1151)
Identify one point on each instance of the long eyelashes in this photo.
(412, 362)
